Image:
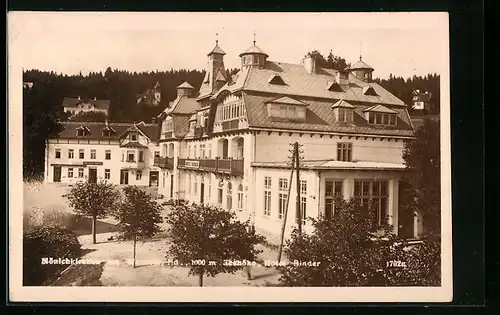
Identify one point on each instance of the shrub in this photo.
(46, 242)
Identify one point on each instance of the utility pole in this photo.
(283, 227)
(297, 169)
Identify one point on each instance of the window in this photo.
(107, 155)
(345, 115)
(333, 193)
(283, 111)
(220, 192)
(303, 201)
(80, 173)
(81, 154)
(344, 151)
(58, 153)
(133, 137)
(123, 156)
(209, 151)
(189, 151)
(138, 175)
(71, 154)
(157, 154)
(189, 184)
(229, 196)
(92, 154)
(195, 184)
(195, 153)
(107, 173)
(282, 196)
(202, 151)
(209, 188)
(130, 156)
(141, 156)
(373, 194)
(80, 132)
(240, 197)
(230, 111)
(70, 172)
(267, 196)
(106, 133)
(383, 119)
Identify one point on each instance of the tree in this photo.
(422, 160)
(205, 236)
(342, 245)
(330, 62)
(89, 116)
(138, 215)
(93, 200)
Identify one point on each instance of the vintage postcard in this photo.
(229, 157)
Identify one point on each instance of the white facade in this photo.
(78, 159)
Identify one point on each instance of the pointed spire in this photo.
(360, 51)
(217, 49)
(254, 41)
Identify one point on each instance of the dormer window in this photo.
(133, 137)
(82, 131)
(368, 90)
(344, 112)
(381, 115)
(106, 133)
(287, 108)
(276, 79)
(334, 87)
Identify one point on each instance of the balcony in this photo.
(133, 165)
(164, 162)
(229, 166)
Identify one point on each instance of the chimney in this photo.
(95, 98)
(310, 64)
(342, 77)
(79, 98)
(153, 120)
(106, 120)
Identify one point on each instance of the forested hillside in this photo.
(403, 88)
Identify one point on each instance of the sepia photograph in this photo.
(229, 157)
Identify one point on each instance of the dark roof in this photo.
(181, 125)
(380, 109)
(342, 104)
(95, 128)
(253, 50)
(133, 144)
(183, 105)
(185, 85)
(217, 50)
(74, 102)
(298, 82)
(320, 117)
(360, 65)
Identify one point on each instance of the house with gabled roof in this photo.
(150, 97)
(119, 153)
(228, 143)
(76, 105)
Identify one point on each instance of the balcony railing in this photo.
(164, 162)
(225, 166)
(133, 164)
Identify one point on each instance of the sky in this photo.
(404, 44)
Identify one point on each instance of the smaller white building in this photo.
(76, 105)
(120, 153)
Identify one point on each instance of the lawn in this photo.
(44, 205)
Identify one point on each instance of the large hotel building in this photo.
(228, 143)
